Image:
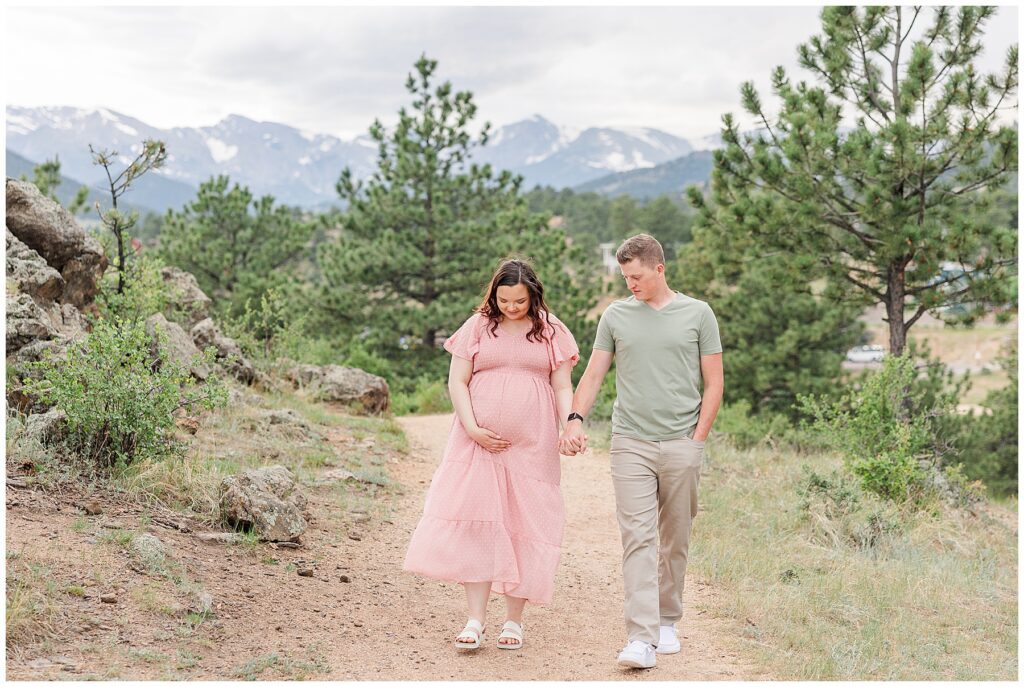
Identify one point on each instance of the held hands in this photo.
(573, 440)
(491, 441)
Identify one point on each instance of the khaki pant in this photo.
(655, 502)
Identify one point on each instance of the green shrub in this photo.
(887, 430)
(428, 397)
(145, 292)
(746, 431)
(368, 361)
(118, 407)
(271, 329)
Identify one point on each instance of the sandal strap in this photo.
(511, 629)
(474, 628)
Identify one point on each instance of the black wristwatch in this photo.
(574, 416)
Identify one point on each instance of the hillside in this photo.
(669, 178)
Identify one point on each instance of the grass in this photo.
(933, 599)
(119, 537)
(147, 655)
(81, 524)
(33, 612)
(226, 445)
(150, 598)
(283, 666)
(982, 383)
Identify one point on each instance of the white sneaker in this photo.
(637, 654)
(668, 642)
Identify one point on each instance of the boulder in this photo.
(28, 273)
(46, 427)
(185, 295)
(347, 385)
(229, 354)
(267, 500)
(26, 322)
(286, 422)
(240, 397)
(51, 231)
(177, 346)
(148, 553)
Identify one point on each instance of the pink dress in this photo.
(500, 516)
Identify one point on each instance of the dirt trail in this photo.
(575, 638)
(357, 616)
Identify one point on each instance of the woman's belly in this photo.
(520, 408)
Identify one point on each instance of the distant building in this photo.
(611, 265)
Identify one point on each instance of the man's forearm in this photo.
(709, 405)
(586, 392)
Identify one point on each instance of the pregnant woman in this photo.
(493, 516)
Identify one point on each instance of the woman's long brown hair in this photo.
(511, 272)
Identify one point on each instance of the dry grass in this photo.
(233, 440)
(229, 441)
(934, 600)
(32, 611)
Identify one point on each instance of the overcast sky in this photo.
(333, 69)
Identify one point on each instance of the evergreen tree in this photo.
(623, 218)
(895, 208)
(780, 338)
(666, 221)
(423, 234)
(237, 246)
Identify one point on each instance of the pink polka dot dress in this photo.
(499, 516)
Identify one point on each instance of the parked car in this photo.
(865, 354)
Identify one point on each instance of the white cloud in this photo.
(335, 69)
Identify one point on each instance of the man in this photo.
(666, 345)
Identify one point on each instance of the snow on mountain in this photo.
(301, 167)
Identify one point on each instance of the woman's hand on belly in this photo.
(489, 440)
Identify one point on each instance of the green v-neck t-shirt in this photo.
(657, 364)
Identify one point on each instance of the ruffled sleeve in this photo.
(562, 344)
(465, 342)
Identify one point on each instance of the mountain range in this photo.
(301, 168)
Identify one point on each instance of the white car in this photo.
(865, 354)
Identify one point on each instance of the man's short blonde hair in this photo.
(642, 247)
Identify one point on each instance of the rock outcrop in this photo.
(185, 295)
(229, 354)
(267, 500)
(177, 346)
(348, 385)
(52, 232)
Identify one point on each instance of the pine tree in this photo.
(896, 207)
(237, 246)
(663, 219)
(781, 339)
(422, 235)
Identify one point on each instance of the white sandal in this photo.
(474, 631)
(511, 630)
